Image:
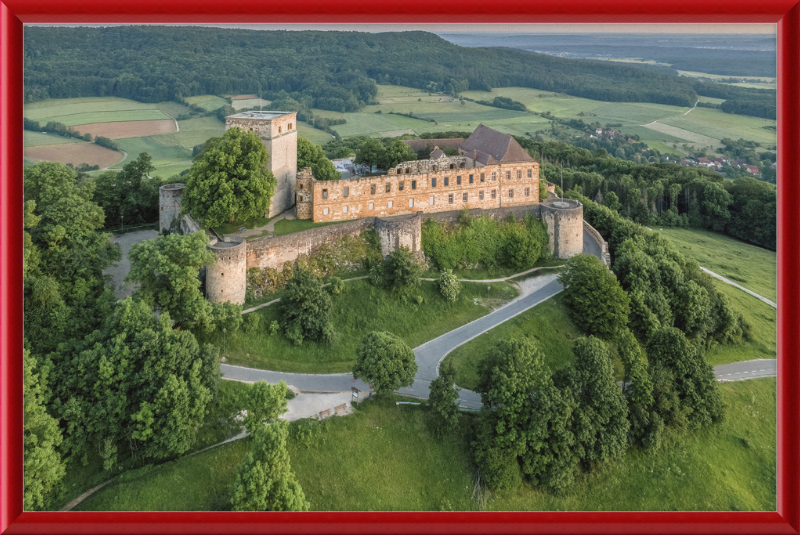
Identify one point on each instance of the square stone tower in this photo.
(278, 133)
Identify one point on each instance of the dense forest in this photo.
(338, 70)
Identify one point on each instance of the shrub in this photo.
(385, 361)
(306, 310)
(449, 286)
(337, 285)
(252, 323)
(401, 271)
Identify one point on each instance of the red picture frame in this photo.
(13, 13)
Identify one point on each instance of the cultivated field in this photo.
(161, 153)
(718, 124)
(312, 134)
(239, 103)
(124, 129)
(207, 102)
(36, 139)
(76, 111)
(74, 153)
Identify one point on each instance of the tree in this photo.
(444, 398)
(135, 381)
(311, 155)
(305, 310)
(167, 270)
(449, 285)
(265, 403)
(130, 193)
(370, 153)
(694, 380)
(385, 362)
(394, 153)
(646, 424)
(595, 299)
(524, 243)
(265, 481)
(612, 201)
(229, 180)
(401, 271)
(43, 467)
(600, 423)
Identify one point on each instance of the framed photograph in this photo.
(411, 180)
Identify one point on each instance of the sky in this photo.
(704, 28)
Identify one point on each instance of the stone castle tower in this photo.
(278, 133)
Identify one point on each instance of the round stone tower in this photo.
(399, 231)
(564, 218)
(169, 200)
(305, 194)
(226, 280)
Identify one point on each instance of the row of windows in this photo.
(432, 200)
(401, 184)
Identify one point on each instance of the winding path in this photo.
(723, 279)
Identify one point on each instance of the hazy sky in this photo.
(517, 28)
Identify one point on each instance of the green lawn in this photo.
(289, 226)
(548, 324)
(751, 266)
(230, 228)
(207, 102)
(85, 110)
(161, 153)
(312, 134)
(36, 139)
(167, 171)
(359, 309)
(717, 124)
(383, 457)
(193, 132)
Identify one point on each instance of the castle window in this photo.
(462, 166)
(483, 176)
(519, 174)
(494, 194)
(494, 176)
(408, 170)
(530, 173)
(470, 179)
(450, 198)
(324, 211)
(290, 126)
(413, 184)
(447, 181)
(346, 191)
(452, 166)
(344, 209)
(527, 192)
(434, 168)
(372, 189)
(411, 203)
(431, 200)
(480, 195)
(372, 206)
(458, 180)
(465, 197)
(324, 194)
(388, 188)
(433, 182)
(279, 129)
(508, 175)
(391, 203)
(401, 184)
(300, 186)
(511, 193)
(221, 274)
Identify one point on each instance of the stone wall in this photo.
(226, 280)
(605, 255)
(497, 214)
(169, 200)
(491, 186)
(400, 231)
(564, 218)
(304, 194)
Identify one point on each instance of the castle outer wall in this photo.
(486, 187)
(226, 280)
(564, 218)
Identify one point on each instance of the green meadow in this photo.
(207, 102)
(37, 139)
(385, 457)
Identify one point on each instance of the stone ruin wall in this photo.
(169, 200)
(564, 226)
(401, 231)
(226, 280)
(606, 256)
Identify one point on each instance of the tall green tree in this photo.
(43, 467)
(305, 309)
(265, 403)
(444, 398)
(395, 152)
(600, 422)
(370, 153)
(264, 480)
(384, 361)
(167, 271)
(311, 155)
(401, 271)
(594, 296)
(129, 196)
(229, 180)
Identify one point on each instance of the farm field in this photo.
(161, 153)
(718, 77)
(548, 324)
(243, 103)
(312, 134)
(384, 457)
(718, 124)
(123, 129)
(193, 132)
(359, 309)
(74, 153)
(207, 102)
(86, 110)
(166, 171)
(37, 139)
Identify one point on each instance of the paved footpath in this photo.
(723, 279)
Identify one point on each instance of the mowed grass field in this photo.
(37, 139)
(207, 102)
(384, 457)
(87, 110)
(358, 310)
